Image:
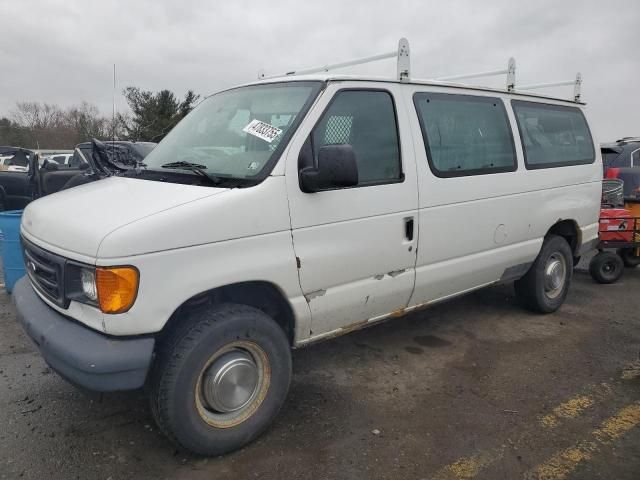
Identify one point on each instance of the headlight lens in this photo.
(111, 289)
(88, 282)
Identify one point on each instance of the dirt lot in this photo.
(474, 388)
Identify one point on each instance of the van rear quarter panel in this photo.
(473, 228)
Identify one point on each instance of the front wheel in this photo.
(545, 286)
(221, 379)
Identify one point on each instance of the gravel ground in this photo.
(473, 388)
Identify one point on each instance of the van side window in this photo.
(553, 135)
(465, 134)
(366, 120)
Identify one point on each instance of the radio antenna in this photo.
(113, 113)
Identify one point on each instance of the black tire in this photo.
(629, 257)
(606, 267)
(179, 406)
(532, 289)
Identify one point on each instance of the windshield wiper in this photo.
(182, 164)
(195, 168)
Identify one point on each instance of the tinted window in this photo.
(609, 156)
(366, 120)
(553, 135)
(465, 135)
(635, 159)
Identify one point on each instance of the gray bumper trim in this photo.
(82, 356)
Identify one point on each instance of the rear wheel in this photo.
(629, 257)
(221, 379)
(606, 267)
(545, 286)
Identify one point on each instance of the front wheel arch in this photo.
(265, 296)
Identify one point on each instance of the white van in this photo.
(295, 209)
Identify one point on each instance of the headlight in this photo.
(111, 289)
(88, 282)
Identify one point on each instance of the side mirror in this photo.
(336, 168)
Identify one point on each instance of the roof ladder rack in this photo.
(401, 54)
(510, 72)
(577, 86)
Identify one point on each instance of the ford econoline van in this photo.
(292, 210)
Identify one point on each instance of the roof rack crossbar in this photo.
(401, 54)
(577, 84)
(510, 72)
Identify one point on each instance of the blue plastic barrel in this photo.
(12, 262)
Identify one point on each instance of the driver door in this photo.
(356, 246)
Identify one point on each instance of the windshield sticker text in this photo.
(262, 130)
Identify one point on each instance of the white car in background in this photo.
(59, 158)
(10, 168)
(14, 159)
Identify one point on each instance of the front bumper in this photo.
(82, 356)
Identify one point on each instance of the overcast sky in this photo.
(63, 51)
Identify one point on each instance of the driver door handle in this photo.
(408, 228)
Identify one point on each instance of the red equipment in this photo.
(612, 172)
(616, 225)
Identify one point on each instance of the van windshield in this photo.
(238, 133)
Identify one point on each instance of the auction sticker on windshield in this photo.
(262, 130)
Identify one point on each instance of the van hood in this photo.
(78, 219)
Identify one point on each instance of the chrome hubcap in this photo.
(555, 275)
(231, 382)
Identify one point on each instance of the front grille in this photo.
(46, 272)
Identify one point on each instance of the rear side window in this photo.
(609, 155)
(465, 135)
(635, 158)
(553, 135)
(366, 120)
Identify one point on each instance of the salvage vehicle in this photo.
(623, 153)
(14, 185)
(14, 159)
(91, 161)
(292, 210)
(47, 175)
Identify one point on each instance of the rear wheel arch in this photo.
(570, 231)
(263, 295)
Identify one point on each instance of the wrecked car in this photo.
(40, 177)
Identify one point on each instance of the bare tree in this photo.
(86, 121)
(37, 116)
(43, 125)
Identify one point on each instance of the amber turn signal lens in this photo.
(117, 288)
